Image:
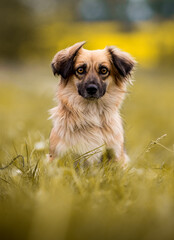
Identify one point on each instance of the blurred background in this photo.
(32, 31)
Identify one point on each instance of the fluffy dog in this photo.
(89, 95)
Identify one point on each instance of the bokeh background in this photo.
(34, 30)
(31, 32)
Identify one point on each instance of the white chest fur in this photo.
(83, 131)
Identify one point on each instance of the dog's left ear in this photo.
(122, 61)
(63, 61)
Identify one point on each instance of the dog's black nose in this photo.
(91, 89)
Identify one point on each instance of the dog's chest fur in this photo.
(86, 127)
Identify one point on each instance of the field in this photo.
(39, 200)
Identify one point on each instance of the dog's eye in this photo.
(80, 70)
(103, 70)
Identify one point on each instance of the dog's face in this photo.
(92, 72)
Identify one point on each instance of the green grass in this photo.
(41, 200)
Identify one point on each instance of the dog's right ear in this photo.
(63, 61)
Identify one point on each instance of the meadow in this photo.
(42, 200)
(58, 201)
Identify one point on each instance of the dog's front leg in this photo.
(54, 140)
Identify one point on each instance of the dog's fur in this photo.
(83, 121)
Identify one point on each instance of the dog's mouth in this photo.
(86, 96)
(91, 98)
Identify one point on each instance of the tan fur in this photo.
(79, 124)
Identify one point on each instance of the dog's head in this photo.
(92, 72)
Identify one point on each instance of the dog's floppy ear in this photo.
(122, 61)
(62, 63)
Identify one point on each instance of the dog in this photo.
(91, 90)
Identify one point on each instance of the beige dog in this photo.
(89, 95)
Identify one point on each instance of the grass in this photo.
(39, 200)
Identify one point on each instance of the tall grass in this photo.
(66, 200)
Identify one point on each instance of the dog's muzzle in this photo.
(91, 91)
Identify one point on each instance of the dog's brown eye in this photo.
(80, 70)
(103, 70)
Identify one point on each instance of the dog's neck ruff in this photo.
(75, 114)
(82, 124)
